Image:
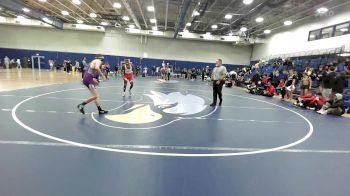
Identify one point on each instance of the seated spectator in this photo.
(270, 90)
(265, 79)
(311, 101)
(335, 106)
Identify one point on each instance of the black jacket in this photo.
(340, 83)
(338, 104)
(328, 80)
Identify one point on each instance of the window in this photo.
(342, 29)
(327, 32)
(331, 31)
(314, 35)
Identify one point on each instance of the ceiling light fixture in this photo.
(322, 10)
(259, 19)
(267, 31)
(207, 33)
(247, 2)
(244, 29)
(188, 24)
(93, 15)
(65, 13)
(154, 28)
(76, 2)
(80, 21)
(288, 23)
(117, 5)
(26, 10)
(126, 18)
(104, 23)
(153, 20)
(43, 1)
(195, 13)
(344, 29)
(150, 8)
(132, 26)
(214, 26)
(230, 34)
(228, 16)
(186, 31)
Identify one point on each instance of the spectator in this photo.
(153, 70)
(270, 90)
(306, 83)
(51, 64)
(340, 83)
(7, 62)
(290, 84)
(335, 106)
(281, 89)
(19, 66)
(328, 83)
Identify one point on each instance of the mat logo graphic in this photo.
(173, 104)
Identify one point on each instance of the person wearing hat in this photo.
(91, 82)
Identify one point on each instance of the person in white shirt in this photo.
(19, 66)
(7, 62)
(218, 77)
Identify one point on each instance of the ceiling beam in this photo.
(183, 11)
(88, 6)
(154, 14)
(143, 16)
(131, 13)
(87, 14)
(17, 7)
(166, 14)
(81, 17)
(192, 17)
(50, 10)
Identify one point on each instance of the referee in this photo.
(218, 76)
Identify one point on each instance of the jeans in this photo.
(217, 89)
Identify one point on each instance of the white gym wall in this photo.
(117, 43)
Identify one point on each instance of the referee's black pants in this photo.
(217, 91)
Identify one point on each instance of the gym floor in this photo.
(166, 140)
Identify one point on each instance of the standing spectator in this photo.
(7, 62)
(19, 66)
(306, 83)
(340, 83)
(218, 77)
(77, 66)
(116, 69)
(51, 64)
(85, 67)
(69, 67)
(290, 85)
(168, 71)
(328, 82)
(153, 70)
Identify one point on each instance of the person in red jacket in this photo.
(270, 90)
(311, 101)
